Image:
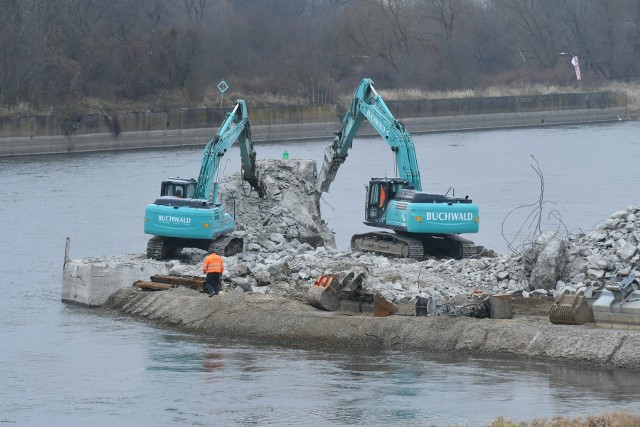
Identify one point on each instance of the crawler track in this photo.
(227, 245)
(388, 244)
(404, 245)
(161, 248)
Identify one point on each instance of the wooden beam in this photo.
(192, 282)
(152, 286)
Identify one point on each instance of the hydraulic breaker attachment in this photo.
(329, 168)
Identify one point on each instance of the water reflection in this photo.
(212, 361)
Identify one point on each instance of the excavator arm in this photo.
(235, 127)
(367, 104)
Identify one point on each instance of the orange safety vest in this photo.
(213, 264)
(383, 196)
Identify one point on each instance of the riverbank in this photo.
(51, 134)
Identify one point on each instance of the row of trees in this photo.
(54, 52)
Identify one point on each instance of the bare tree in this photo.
(61, 51)
(536, 23)
(376, 28)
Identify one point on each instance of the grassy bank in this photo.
(172, 100)
(632, 90)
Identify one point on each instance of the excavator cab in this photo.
(379, 192)
(179, 187)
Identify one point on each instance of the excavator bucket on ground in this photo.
(324, 293)
(331, 293)
(571, 309)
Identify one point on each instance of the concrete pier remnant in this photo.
(91, 281)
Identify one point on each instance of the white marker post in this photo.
(576, 65)
(222, 87)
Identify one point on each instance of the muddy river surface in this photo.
(68, 365)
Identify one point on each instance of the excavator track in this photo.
(161, 248)
(406, 246)
(448, 245)
(468, 248)
(227, 245)
(155, 247)
(388, 244)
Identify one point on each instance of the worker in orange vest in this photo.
(383, 196)
(213, 267)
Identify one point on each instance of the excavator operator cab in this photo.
(379, 192)
(178, 187)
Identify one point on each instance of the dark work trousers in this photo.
(212, 283)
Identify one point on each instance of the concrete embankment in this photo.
(51, 134)
(271, 319)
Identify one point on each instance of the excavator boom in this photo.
(235, 127)
(367, 104)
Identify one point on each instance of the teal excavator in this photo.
(188, 212)
(420, 223)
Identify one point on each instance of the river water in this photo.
(66, 365)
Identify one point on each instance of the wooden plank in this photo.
(152, 286)
(191, 281)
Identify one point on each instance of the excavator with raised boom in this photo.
(422, 223)
(187, 214)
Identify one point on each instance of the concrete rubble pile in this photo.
(557, 263)
(288, 246)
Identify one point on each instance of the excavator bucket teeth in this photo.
(358, 281)
(257, 184)
(346, 281)
(354, 286)
(569, 309)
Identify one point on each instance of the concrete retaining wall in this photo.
(194, 127)
(263, 318)
(153, 121)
